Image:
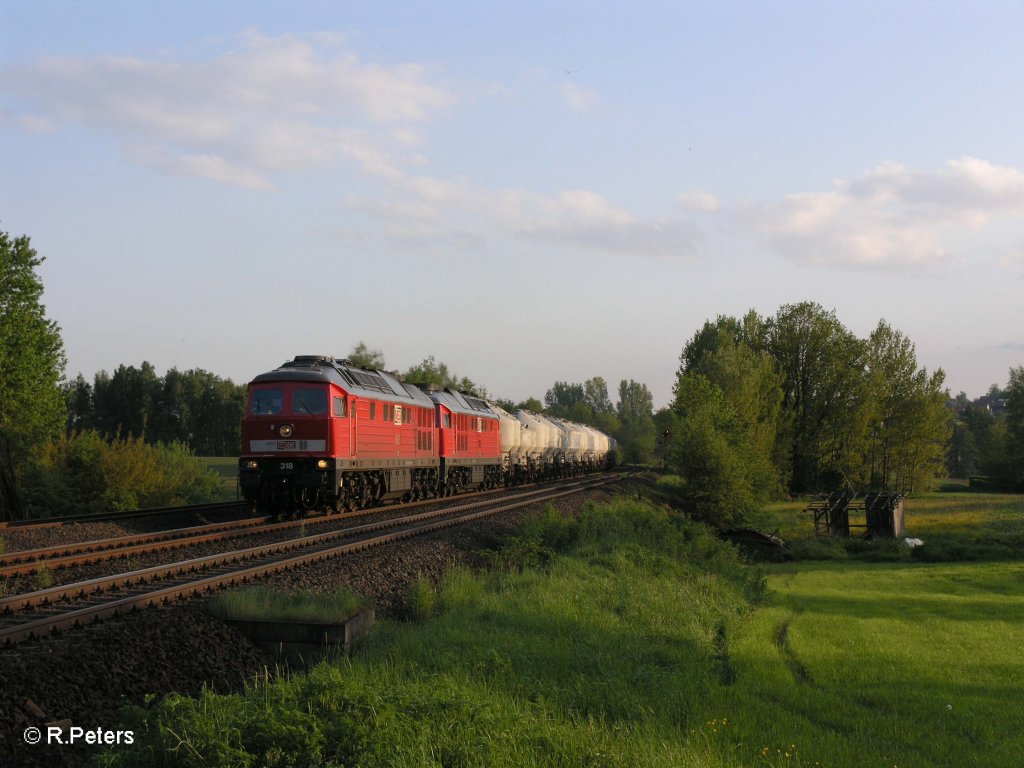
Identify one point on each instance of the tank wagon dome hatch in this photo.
(364, 382)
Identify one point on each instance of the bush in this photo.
(818, 548)
(953, 549)
(645, 535)
(86, 473)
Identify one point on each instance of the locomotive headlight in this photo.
(286, 430)
(251, 464)
(322, 464)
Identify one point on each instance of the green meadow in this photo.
(882, 664)
(633, 637)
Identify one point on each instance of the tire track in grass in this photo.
(726, 671)
(800, 673)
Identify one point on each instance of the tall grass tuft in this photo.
(265, 604)
(44, 578)
(422, 600)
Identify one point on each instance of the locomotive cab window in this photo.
(339, 407)
(265, 402)
(312, 402)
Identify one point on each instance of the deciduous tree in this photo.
(364, 357)
(32, 405)
(906, 422)
(712, 452)
(821, 364)
(1015, 427)
(637, 433)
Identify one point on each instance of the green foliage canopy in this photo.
(32, 409)
(819, 408)
(364, 357)
(429, 371)
(194, 407)
(87, 472)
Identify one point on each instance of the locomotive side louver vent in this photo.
(476, 403)
(366, 379)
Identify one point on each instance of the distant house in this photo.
(994, 404)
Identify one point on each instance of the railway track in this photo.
(104, 517)
(72, 554)
(39, 613)
(87, 552)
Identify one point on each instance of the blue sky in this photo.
(530, 192)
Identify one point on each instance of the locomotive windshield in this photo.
(311, 401)
(265, 402)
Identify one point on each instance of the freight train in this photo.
(321, 434)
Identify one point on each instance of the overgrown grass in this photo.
(602, 657)
(265, 604)
(631, 637)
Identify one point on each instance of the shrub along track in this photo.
(86, 675)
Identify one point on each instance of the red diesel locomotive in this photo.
(321, 434)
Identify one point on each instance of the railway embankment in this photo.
(88, 675)
(612, 632)
(590, 638)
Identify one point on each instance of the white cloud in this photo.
(892, 217)
(277, 105)
(578, 98)
(578, 219)
(207, 166)
(35, 124)
(1014, 259)
(699, 200)
(273, 105)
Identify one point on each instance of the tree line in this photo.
(796, 403)
(194, 407)
(70, 448)
(762, 406)
(987, 443)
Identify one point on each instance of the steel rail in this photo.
(28, 561)
(280, 554)
(413, 525)
(101, 517)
